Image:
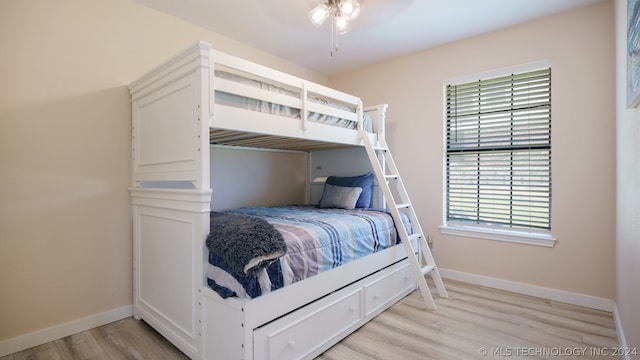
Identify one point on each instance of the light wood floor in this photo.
(481, 323)
(474, 323)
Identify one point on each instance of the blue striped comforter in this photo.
(317, 240)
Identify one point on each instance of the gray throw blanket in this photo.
(247, 244)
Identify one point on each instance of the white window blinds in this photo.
(498, 165)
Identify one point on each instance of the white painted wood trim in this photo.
(592, 302)
(622, 341)
(489, 233)
(378, 116)
(55, 332)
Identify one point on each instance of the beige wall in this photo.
(628, 190)
(65, 127)
(580, 46)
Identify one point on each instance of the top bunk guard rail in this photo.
(300, 100)
(303, 87)
(203, 96)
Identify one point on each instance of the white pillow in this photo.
(340, 197)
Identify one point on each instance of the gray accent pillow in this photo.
(340, 197)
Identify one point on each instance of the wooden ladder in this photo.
(421, 259)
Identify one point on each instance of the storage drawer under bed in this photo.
(299, 335)
(390, 288)
(309, 331)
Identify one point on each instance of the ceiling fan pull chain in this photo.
(334, 37)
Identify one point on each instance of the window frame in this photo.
(522, 235)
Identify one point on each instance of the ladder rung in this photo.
(391, 176)
(403, 206)
(427, 269)
(413, 237)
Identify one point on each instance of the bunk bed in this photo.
(202, 97)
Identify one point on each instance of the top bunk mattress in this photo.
(317, 240)
(249, 103)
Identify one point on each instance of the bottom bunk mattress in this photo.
(256, 250)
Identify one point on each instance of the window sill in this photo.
(546, 240)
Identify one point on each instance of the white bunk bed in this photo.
(178, 111)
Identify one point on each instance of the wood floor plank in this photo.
(80, 346)
(44, 351)
(475, 322)
(135, 340)
(476, 319)
(116, 341)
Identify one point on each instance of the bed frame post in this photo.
(169, 258)
(171, 194)
(378, 116)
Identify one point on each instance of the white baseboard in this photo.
(592, 302)
(43, 336)
(622, 341)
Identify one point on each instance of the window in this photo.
(498, 153)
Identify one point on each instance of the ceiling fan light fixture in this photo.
(342, 12)
(319, 14)
(342, 25)
(350, 9)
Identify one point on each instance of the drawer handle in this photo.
(291, 344)
(352, 309)
(376, 296)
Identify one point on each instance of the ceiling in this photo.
(385, 28)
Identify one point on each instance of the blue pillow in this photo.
(362, 181)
